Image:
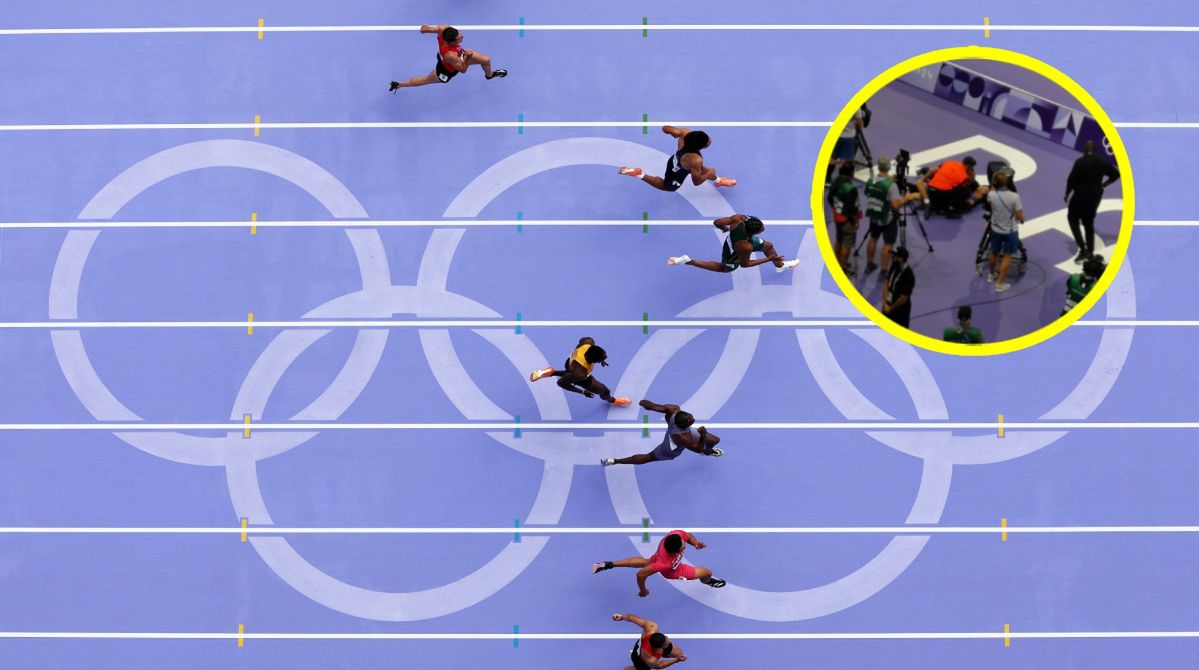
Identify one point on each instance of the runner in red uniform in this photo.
(668, 561)
(451, 59)
(654, 649)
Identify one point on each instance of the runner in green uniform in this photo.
(742, 240)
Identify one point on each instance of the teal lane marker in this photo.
(518, 326)
(516, 535)
(645, 525)
(645, 420)
(645, 22)
(515, 636)
(522, 30)
(645, 124)
(520, 227)
(520, 118)
(645, 225)
(516, 433)
(645, 318)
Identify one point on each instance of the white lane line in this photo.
(361, 125)
(625, 530)
(437, 223)
(498, 323)
(989, 426)
(949, 635)
(804, 27)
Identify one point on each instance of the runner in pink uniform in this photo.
(668, 561)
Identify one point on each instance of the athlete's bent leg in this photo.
(639, 459)
(430, 78)
(703, 574)
(656, 182)
(707, 265)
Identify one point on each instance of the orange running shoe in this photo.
(725, 181)
(632, 172)
(538, 374)
(622, 402)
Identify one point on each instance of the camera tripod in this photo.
(862, 149)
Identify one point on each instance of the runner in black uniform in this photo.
(686, 161)
(742, 241)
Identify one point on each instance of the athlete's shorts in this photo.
(887, 230)
(637, 662)
(844, 148)
(730, 260)
(671, 180)
(1004, 244)
(444, 74)
(684, 571)
(665, 452)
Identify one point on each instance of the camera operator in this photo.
(1080, 283)
(1007, 212)
(963, 332)
(950, 188)
(897, 294)
(843, 198)
(883, 204)
(1086, 184)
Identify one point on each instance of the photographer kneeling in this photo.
(950, 188)
(1007, 212)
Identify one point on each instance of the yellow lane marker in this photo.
(244, 523)
(250, 327)
(257, 120)
(241, 630)
(246, 432)
(1003, 535)
(253, 220)
(261, 23)
(1000, 425)
(986, 28)
(1007, 630)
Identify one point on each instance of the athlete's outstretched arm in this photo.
(694, 541)
(646, 625)
(661, 409)
(675, 132)
(744, 249)
(728, 223)
(432, 29)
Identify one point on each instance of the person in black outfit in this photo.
(897, 294)
(1084, 191)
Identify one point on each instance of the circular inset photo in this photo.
(973, 201)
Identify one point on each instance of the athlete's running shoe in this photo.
(631, 172)
(622, 402)
(395, 86)
(498, 73)
(538, 374)
(717, 452)
(1003, 288)
(992, 277)
(607, 461)
(787, 265)
(599, 567)
(716, 583)
(725, 181)
(678, 260)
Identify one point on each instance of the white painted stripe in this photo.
(533, 323)
(621, 530)
(360, 125)
(437, 223)
(812, 27)
(614, 426)
(951, 635)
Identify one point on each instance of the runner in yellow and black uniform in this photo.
(576, 377)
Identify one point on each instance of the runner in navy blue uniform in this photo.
(679, 437)
(687, 161)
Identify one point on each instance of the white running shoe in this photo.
(717, 452)
(1002, 288)
(992, 277)
(678, 260)
(607, 461)
(787, 265)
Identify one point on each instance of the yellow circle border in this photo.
(1117, 251)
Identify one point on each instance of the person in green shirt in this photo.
(963, 332)
(1080, 283)
(883, 203)
(843, 198)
